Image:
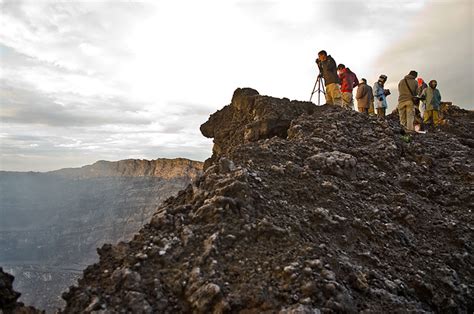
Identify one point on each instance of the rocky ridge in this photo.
(327, 211)
(158, 168)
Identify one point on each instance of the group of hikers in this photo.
(340, 82)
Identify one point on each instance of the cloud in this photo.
(439, 45)
(51, 148)
(30, 106)
(353, 32)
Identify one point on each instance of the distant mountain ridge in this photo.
(161, 168)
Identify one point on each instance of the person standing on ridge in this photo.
(371, 110)
(380, 95)
(364, 96)
(328, 70)
(433, 101)
(407, 96)
(348, 82)
(421, 87)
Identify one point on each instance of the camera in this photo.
(318, 61)
(386, 92)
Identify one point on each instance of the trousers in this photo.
(406, 112)
(333, 94)
(431, 115)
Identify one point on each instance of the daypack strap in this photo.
(413, 94)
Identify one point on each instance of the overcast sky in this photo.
(88, 80)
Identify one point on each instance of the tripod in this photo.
(320, 88)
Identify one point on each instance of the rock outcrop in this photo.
(327, 211)
(9, 297)
(250, 117)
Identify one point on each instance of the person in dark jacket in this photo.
(364, 96)
(433, 101)
(328, 70)
(407, 91)
(348, 82)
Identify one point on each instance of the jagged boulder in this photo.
(249, 118)
(9, 297)
(340, 215)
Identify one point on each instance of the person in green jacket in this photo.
(432, 98)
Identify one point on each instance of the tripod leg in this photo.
(314, 89)
(320, 89)
(319, 93)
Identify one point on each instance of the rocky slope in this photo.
(52, 223)
(326, 211)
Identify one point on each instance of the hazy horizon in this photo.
(83, 81)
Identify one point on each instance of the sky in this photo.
(82, 81)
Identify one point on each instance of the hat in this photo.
(413, 73)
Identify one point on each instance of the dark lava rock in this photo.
(9, 297)
(304, 209)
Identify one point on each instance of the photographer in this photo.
(328, 70)
(380, 95)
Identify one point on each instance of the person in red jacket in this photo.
(348, 82)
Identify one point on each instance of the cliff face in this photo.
(159, 168)
(339, 212)
(52, 223)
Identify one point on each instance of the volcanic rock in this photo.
(313, 210)
(9, 297)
